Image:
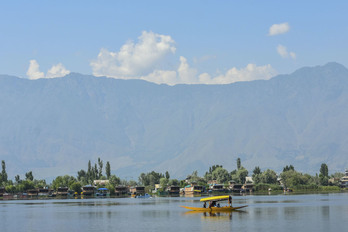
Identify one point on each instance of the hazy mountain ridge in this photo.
(54, 126)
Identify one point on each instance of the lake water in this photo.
(311, 212)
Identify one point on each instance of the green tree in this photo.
(10, 188)
(257, 175)
(221, 175)
(89, 172)
(17, 179)
(167, 175)
(63, 181)
(107, 170)
(256, 170)
(239, 164)
(324, 170)
(150, 179)
(25, 185)
(82, 176)
(173, 182)
(269, 177)
(100, 171)
(164, 183)
(241, 174)
(95, 173)
(337, 175)
(3, 176)
(39, 183)
(114, 180)
(288, 168)
(293, 179)
(29, 176)
(324, 175)
(76, 187)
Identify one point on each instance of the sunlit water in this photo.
(312, 212)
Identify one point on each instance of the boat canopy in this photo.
(101, 189)
(217, 198)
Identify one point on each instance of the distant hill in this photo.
(54, 126)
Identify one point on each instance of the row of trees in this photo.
(94, 172)
(290, 178)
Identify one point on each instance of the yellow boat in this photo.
(215, 208)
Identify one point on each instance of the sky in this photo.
(171, 42)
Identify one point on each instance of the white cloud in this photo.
(55, 71)
(134, 59)
(187, 75)
(250, 73)
(142, 60)
(277, 29)
(34, 70)
(283, 52)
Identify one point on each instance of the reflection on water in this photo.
(313, 212)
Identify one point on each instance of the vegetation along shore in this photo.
(217, 180)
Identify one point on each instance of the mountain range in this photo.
(54, 126)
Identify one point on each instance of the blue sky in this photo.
(211, 42)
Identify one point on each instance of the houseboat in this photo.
(33, 192)
(44, 192)
(102, 192)
(217, 189)
(193, 189)
(62, 191)
(88, 190)
(173, 190)
(248, 187)
(344, 180)
(2, 191)
(137, 191)
(235, 188)
(121, 191)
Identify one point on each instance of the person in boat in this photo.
(205, 205)
(218, 205)
(230, 201)
(212, 204)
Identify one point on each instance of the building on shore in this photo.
(193, 189)
(2, 191)
(62, 191)
(173, 190)
(121, 190)
(88, 190)
(137, 191)
(344, 180)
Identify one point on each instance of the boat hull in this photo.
(214, 209)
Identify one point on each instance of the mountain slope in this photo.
(54, 126)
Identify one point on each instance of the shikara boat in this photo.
(214, 207)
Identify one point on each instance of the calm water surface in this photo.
(312, 212)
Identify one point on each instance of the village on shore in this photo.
(216, 181)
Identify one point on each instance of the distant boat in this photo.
(102, 192)
(214, 206)
(146, 195)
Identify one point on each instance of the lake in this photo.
(310, 212)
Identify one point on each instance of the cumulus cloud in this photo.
(141, 60)
(134, 59)
(34, 70)
(283, 52)
(277, 29)
(250, 73)
(55, 71)
(188, 75)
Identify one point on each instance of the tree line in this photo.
(263, 180)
